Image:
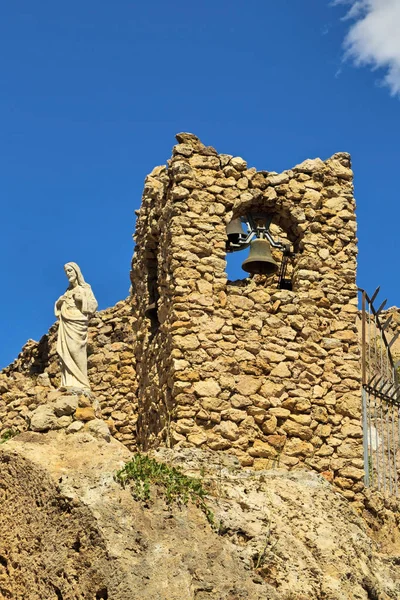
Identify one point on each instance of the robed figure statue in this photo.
(74, 309)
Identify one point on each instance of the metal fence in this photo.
(380, 399)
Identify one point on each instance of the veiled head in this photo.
(74, 274)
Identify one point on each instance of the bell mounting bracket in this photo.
(258, 225)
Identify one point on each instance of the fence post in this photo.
(365, 437)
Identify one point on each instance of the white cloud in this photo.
(373, 38)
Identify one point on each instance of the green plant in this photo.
(260, 558)
(7, 435)
(142, 472)
(221, 528)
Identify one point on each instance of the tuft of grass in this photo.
(7, 435)
(142, 472)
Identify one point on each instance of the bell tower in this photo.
(266, 371)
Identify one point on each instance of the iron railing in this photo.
(380, 399)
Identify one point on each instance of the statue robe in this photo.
(72, 336)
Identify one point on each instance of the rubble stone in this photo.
(43, 418)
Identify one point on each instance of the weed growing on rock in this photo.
(7, 435)
(142, 472)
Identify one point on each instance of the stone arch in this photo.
(288, 223)
(287, 215)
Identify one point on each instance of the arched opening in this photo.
(260, 247)
(150, 276)
(234, 261)
(152, 292)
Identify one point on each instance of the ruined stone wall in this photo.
(272, 376)
(150, 276)
(26, 383)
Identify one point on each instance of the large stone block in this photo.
(65, 405)
(43, 418)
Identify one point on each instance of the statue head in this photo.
(74, 274)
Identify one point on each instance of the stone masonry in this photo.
(271, 376)
(31, 380)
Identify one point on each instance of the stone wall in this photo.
(272, 376)
(149, 276)
(26, 383)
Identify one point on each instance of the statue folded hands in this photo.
(74, 309)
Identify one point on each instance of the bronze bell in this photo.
(260, 259)
(234, 230)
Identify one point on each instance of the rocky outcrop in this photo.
(69, 530)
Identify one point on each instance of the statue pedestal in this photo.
(71, 409)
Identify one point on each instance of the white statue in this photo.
(74, 309)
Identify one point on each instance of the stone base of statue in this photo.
(71, 409)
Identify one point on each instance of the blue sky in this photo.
(92, 94)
